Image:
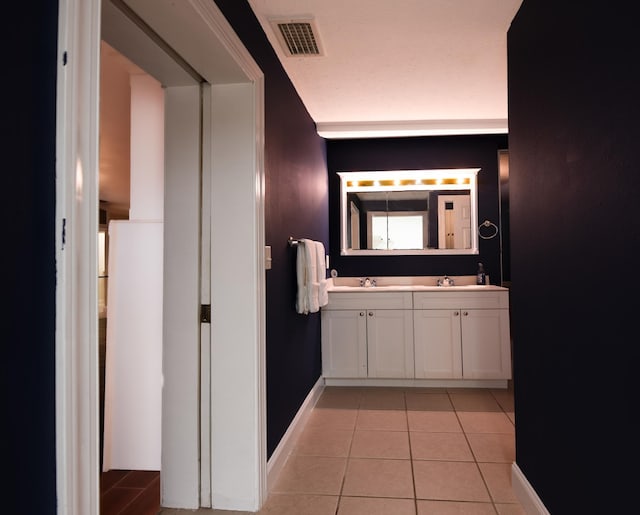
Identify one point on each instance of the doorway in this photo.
(234, 106)
(130, 264)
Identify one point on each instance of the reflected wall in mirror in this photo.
(409, 212)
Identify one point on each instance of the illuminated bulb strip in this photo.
(409, 179)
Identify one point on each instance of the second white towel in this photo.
(311, 277)
(321, 274)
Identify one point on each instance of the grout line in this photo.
(358, 410)
(413, 472)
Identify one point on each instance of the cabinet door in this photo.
(390, 343)
(486, 344)
(438, 352)
(344, 343)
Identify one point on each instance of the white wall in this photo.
(133, 367)
(147, 148)
(133, 361)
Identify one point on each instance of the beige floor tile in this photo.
(474, 401)
(504, 398)
(378, 478)
(311, 475)
(492, 448)
(485, 422)
(440, 446)
(288, 504)
(332, 418)
(380, 444)
(434, 421)
(376, 506)
(454, 508)
(428, 402)
(340, 398)
(510, 509)
(383, 399)
(387, 420)
(449, 481)
(324, 442)
(498, 479)
(512, 417)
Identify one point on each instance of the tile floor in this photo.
(397, 451)
(129, 492)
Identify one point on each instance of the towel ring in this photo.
(494, 230)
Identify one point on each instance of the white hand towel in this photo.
(302, 302)
(321, 274)
(311, 275)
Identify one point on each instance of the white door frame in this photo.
(77, 452)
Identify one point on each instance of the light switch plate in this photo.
(267, 257)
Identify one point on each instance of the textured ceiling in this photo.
(407, 66)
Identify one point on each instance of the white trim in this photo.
(338, 130)
(220, 27)
(205, 299)
(424, 383)
(525, 493)
(79, 32)
(285, 446)
(77, 454)
(237, 307)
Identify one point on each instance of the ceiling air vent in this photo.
(298, 37)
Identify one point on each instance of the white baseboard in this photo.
(525, 493)
(424, 383)
(283, 450)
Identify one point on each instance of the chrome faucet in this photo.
(367, 282)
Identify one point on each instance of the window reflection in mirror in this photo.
(409, 212)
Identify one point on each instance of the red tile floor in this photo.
(130, 492)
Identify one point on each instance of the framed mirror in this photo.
(404, 212)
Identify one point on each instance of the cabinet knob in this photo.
(465, 313)
(361, 313)
(370, 313)
(455, 313)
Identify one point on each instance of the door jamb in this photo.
(77, 136)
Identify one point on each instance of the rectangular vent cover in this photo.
(298, 37)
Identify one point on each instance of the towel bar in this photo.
(292, 242)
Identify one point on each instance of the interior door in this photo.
(454, 222)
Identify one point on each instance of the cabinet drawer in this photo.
(461, 299)
(369, 300)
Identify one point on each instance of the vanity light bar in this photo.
(405, 179)
(409, 182)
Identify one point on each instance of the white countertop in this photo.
(411, 283)
(414, 287)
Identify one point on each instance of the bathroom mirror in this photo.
(404, 212)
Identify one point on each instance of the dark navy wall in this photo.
(419, 153)
(575, 237)
(295, 205)
(27, 376)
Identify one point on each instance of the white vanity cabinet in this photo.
(462, 334)
(367, 335)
